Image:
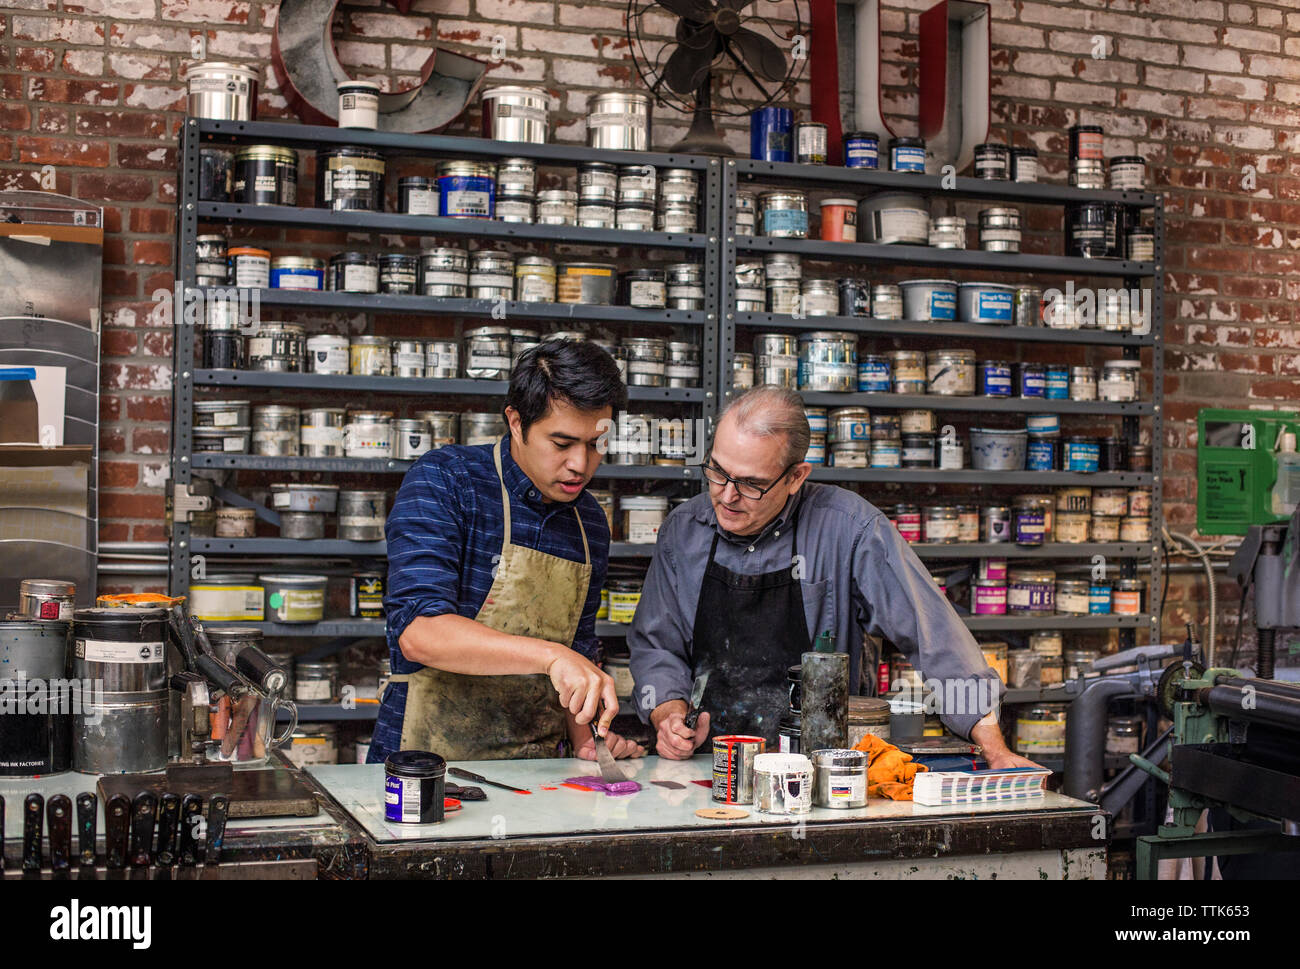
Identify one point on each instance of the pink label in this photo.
(995, 569)
(990, 600)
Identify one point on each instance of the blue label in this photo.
(295, 278)
(1082, 456)
(1032, 384)
(861, 153)
(1099, 599)
(886, 455)
(466, 196)
(1040, 455)
(873, 377)
(993, 306)
(1058, 385)
(997, 381)
(943, 305)
(785, 220)
(393, 799)
(769, 134)
(907, 159)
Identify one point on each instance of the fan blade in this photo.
(696, 38)
(696, 10)
(684, 67)
(761, 53)
(736, 5)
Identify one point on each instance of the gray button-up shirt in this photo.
(856, 573)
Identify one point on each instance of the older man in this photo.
(745, 577)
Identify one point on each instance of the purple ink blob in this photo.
(611, 788)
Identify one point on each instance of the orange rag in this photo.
(889, 771)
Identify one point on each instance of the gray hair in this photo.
(768, 410)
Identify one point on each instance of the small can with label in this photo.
(366, 595)
(250, 268)
(398, 273)
(995, 378)
(1024, 164)
(466, 189)
(784, 214)
(1032, 380)
(992, 161)
(415, 787)
(810, 143)
(907, 519)
(297, 272)
(874, 374)
(354, 272)
(907, 155)
(417, 195)
(862, 150)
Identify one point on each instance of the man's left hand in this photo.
(620, 747)
(1006, 760)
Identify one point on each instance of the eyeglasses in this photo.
(715, 475)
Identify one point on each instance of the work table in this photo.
(558, 831)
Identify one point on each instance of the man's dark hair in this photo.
(574, 371)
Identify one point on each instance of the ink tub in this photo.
(415, 784)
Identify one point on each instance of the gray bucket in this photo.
(998, 450)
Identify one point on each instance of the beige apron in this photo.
(503, 717)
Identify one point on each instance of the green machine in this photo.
(1236, 468)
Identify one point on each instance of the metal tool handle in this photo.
(144, 811)
(169, 813)
(117, 822)
(87, 820)
(33, 818)
(278, 703)
(59, 818)
(191, 819)
(466, 774)
(218, 806)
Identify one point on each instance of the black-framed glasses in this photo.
(746, 489)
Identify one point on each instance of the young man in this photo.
(496, 558)
(745, 577)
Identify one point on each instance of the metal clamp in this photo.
(185, 502)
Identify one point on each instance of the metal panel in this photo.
(976, 331)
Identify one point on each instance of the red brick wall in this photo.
(1202, 88)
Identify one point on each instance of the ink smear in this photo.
(611, 788)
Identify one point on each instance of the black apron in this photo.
(749, 629)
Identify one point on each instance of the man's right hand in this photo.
(675, 740)
(582, 686)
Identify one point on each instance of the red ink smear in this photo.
(523, 792)
(578, 787)
(545, 788)
(703, 783)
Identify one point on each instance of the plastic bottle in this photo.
(1286, 490)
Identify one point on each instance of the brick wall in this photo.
(1202, 88)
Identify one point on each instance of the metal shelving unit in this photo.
(704, 245)
(886, 259)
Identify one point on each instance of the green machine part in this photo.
(1236, 469)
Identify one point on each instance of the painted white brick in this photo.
(1252, 39)
(516, 11)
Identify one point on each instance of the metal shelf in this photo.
(321, 136)
(326, 629)
(965, 476)
(903, 256)
(364, 710)
(461, 386)
(342, 547)
(287, 546)
(1042, 193)
(391, 223)
(974, 331)
(323, 301)
(1050, 550)
(976, 404)
(1033, 623)
(256, 462)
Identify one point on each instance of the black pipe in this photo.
(1266, 652)
(1274, 687)
(1085, 737)
(1248, 705)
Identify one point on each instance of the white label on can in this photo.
(421, 201)
(1117, 390)
(302, 605)
(406, 359)
(645, 366)
(443, 277)
(999, 235)
(812, 141)
(330, 360)
(361, 279)
(221, 84)
(894, 224)
(252, 272)
(304, 281)
(536, 289)
(495, 280)
(683, 372)
(642, 293)
(312, 690)
(622, 119)
(327, 436)
(850, 789)
(104, 651)
(226, 603)
(641, 219)
(483, 361)
(235, 444)
(281, 499)
(361, 521)
(468, 202)
(643, 526)
(410, 798)
(225, 418)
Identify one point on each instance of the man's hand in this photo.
(620, 747)
(582, 686)
(1006, 760)
(674, 740)
(989, 737)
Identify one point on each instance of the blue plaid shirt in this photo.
(444, 538)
